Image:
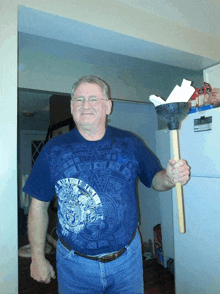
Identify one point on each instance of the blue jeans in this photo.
(79, 275)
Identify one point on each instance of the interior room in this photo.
(53, 51)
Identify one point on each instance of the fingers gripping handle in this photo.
(179, 190)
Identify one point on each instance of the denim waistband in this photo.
(101, 257)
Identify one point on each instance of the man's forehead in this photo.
(88, 89)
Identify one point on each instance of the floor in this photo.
(157, 279)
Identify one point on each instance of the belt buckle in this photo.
(109, 257)
(116, 255)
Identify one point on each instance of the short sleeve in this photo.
(149, 165)
(39, 184)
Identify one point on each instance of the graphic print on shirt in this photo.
(95, 216)
(79, 205)
(101, 224)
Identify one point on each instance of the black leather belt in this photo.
(105, 258)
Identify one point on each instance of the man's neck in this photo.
(92, 134)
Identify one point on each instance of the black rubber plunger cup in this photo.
(173, 114)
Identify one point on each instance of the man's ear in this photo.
(71, 106)
(109, 107)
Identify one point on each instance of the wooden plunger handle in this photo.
(179, 191)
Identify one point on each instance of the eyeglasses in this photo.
(93, 100)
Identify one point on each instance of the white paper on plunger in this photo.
(175, 95)
(186, 83)
(179, 94)
(156, 100)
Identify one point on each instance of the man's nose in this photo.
(86, 103)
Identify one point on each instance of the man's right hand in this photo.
(42, 271)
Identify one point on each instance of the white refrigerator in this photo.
(196, 253)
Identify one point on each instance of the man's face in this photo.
(86, 115)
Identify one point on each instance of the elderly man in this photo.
(93, 170)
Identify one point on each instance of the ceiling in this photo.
(203, 16)
(71, 31)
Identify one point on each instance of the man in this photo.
(93, 170)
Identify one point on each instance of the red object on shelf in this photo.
(197, 99)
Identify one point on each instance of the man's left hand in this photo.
(178, 171)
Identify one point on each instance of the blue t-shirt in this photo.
(95, 182)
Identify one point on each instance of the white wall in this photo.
(8, 151)
(212, 76)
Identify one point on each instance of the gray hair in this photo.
(92, 80)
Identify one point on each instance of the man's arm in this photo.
(161, 181)
(41, 270)
(176, 172)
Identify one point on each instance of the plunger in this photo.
(173, 114)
